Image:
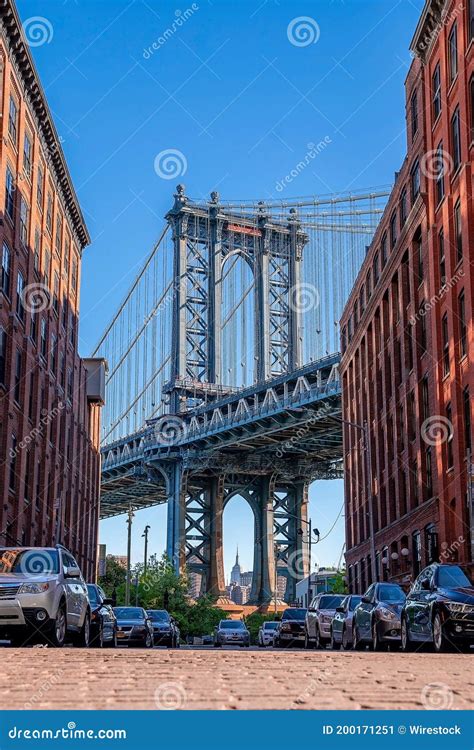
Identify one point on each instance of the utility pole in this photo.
(145, 559)
(129, 554)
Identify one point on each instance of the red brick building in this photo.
(407, 329)
(50, 399)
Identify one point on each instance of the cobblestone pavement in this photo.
(193, 678)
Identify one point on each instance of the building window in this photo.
(422, 316)
(12, 472)
(6, 270)
(456, 140)
(27, 156)
(462, 325)
(439, 165)
(445, 339)
(425, 399)
(416, 546)
(403, 207)
(376, 268)
(31, 399)
(74, 276)
(467, 419)
(453, 53)
(368, 285)
(53, 352)
(436, 92)
(414, 114)
(62, 370)
(47, 264)
(59, 224)
(9, 194)
(49, 214)
(56, 293)
(40, 188)
(34, 326)
(24, 212)
(449, 442)
(429, 474)
(383, 249)
(419, 258)
(36, 253)
(471, 86)
(442, 258)
(16, 390)
(20, 285)
(393, 230)
(458, 231)
(415, 181)
(431, 544)
(3, 355)
(44, 338)
(70, 384)
(13, 120)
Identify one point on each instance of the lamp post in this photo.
(130, 515)
(145, 558)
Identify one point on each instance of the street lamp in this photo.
(130, 515)
(145, 560)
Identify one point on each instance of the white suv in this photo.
(42, 596)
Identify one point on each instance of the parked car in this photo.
(341, 626)
(376, 620)
(134, 627)
(165, 628)
(319, 618)
(266, 632)
(207, 640)
(439, 609)
(103, 620)
(43, 597)
(230, 632)
(290, 629)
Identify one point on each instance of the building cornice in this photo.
(426, 32)
(21, 55)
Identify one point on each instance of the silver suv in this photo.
(42, 596)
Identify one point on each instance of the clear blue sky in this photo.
(240, 102)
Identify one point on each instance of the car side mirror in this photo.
(366, 600)
(72, 572)
(339, 609)
(425, 585)
(108, 601)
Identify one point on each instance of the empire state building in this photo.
(235, 575)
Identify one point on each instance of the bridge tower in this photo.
(203, 239)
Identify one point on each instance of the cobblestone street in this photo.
(232, 679)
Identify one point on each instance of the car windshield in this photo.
(128, 613)
(269, 625)
(355, 600)
(158, 615)
(231, 625)
(92, 591)
(29, 562)
(452, 577)
(294, 614)
(330, 602)
(390, 593)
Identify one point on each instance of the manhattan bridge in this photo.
(223, 375)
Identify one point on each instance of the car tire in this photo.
(346, 645)
(217, 645)
(440, 642)
(356, 644)
(112, 643)
(406, 644)
(82, 639)
(59, 629)
(332, 643)
(308, 643)
(317, 641)
(377, 645)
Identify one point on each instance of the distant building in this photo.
(314, 584)
(236, 573)
(195, 579)
(102, 569)
(237, 593)
(121, 560)
(246, 578)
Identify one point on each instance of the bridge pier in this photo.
(263, 580)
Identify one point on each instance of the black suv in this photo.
(439, 609)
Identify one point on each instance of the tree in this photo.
(339, 586)
(114, 578)
(254, 622)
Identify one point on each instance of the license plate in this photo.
(120, 635)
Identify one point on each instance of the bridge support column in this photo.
(175, 538)
(216, 581)
(263, 580)
(299, 566)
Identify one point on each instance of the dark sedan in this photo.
(165, 629)
(341, 626)
(376, 620)
(103, 621)
(439, 609)
(134, 627)
(291, 628)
